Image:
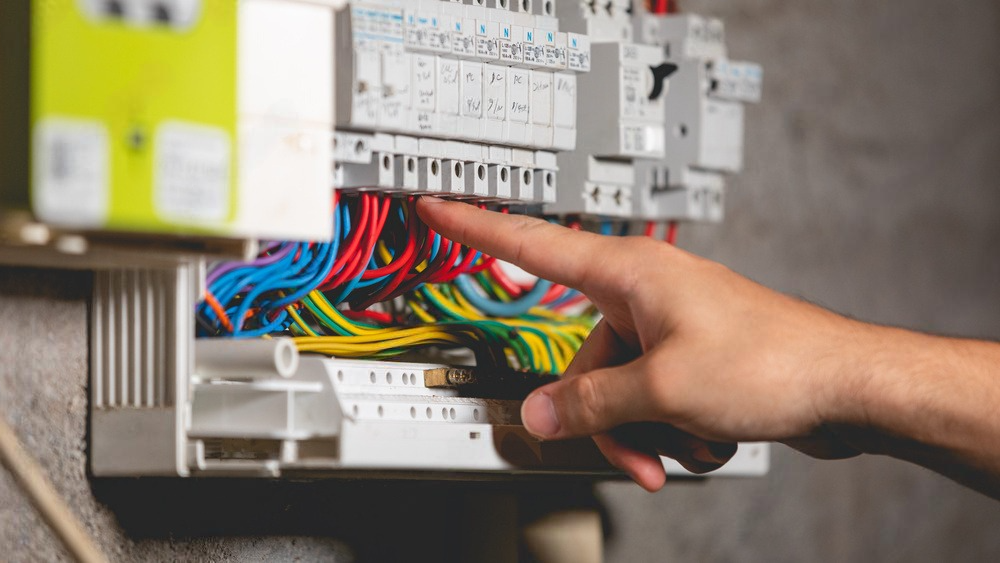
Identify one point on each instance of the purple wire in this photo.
(266, 260)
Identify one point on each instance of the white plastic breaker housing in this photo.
(164, 404)
(622, 120)
(435, 89)
(704, 123)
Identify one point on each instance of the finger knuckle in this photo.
(587, 404)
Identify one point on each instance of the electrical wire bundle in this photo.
(387, 284)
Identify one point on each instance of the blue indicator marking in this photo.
(551, 37)
(482, 28)
(377, 37)
(531, 36)
(434, 22)
(506, 32)
(458, 26)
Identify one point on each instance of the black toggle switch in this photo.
(660, 75)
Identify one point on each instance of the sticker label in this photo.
(71, 172)
(191, 173)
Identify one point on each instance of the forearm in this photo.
(930, 400)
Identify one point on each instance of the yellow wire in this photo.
(310, 344)
(461, 307)
(301, 323)
(420, 312)
(400, 334)
(553, 358)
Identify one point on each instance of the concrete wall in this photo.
(873, 187)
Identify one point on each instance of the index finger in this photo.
(551, 252)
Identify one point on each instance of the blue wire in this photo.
(499, 309)
(606, 228)
(281, 274)
(435, 247)
(226, 293)
(277, 325)
(276, 282)
(321, 274)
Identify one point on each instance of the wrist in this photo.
(851, 385)
(899, 387)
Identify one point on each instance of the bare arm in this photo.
(692, 358)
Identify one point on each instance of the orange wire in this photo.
(219, 310)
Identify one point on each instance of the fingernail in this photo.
(538, 414)
(430, 199)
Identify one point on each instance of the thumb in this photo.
(588, 404)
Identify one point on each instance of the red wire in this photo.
(487, 263)
(650, 229)
(415, 227)
(571, 302)
(372, 236)
(554, 293)
(381, 318)
(359, 261)
(463, 268)
(505, 283)
(446, 267)
(397, 262)
(334, 279)
(414, 279)
(672, 233)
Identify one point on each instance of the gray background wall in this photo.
(873, 187)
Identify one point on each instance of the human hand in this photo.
(689, 358)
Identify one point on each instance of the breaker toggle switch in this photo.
(660, 75)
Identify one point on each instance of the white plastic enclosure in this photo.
(164, 404)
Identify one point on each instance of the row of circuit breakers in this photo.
(234, 119)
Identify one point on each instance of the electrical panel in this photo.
(242, 175)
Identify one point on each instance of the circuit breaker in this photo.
(667, 116)
(473, 100)
(704, 122)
